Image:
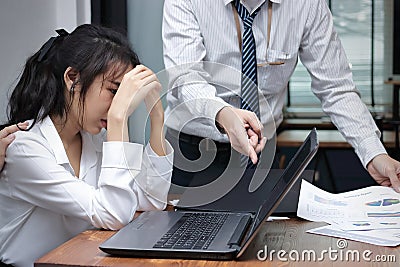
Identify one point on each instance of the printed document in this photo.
(368, 212)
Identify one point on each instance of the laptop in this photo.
(190, 199)
(203, 234)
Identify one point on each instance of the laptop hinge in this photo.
(239, 231)
(235, 247)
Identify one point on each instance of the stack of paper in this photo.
(370, 215)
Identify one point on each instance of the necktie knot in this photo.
(246, 17)
(248, 22)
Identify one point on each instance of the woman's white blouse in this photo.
(43, 204)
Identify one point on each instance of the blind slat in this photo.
(352, 20)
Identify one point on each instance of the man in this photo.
(283, 31)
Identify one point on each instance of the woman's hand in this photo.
(136, 85)
(156, 112)
(6, 137)
(153, 103)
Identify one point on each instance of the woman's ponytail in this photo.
(37, 93)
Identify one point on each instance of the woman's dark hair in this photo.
(90, 50)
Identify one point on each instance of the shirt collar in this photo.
(50, 133)
(91, 143)
(261, 1)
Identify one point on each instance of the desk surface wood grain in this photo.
(284, 235)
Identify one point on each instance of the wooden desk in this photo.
(326, 138)
(284, 235)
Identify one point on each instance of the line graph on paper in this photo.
(323, 212)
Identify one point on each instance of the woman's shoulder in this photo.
(27, 137)
(30, 139)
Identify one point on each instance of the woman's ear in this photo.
(71, 78)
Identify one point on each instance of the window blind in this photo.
(360, 26)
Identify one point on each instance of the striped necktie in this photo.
(249, 91)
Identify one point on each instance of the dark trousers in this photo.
(193, 164)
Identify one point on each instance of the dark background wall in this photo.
(110, 13)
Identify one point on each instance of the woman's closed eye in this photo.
(113, 91)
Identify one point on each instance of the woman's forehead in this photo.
(117, 71)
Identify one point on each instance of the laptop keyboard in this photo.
(193, 231)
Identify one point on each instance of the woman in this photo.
(66, 174)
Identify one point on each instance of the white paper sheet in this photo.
(370, 208)
(387, 237)
(370, 215)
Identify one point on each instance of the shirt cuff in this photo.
(369, 148)
(212, 107)
(123, 155)
(158, 165)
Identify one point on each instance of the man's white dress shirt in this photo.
(204, 31)
(43, 203)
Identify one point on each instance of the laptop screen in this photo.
(292, 172)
